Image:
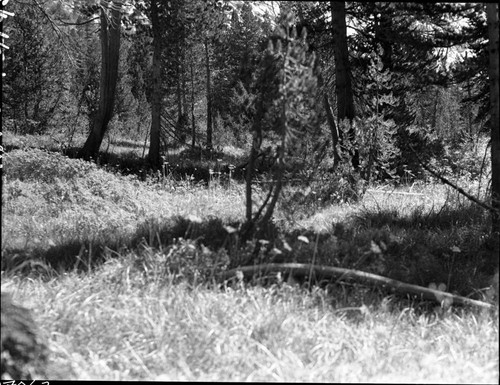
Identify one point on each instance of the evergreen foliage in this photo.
(283, 115)
(35, 83)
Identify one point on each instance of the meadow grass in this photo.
(123, 324)
(49, 200)
(150, 309)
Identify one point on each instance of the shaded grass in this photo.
(129, 157)
(432, 237)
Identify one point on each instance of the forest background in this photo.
(224, 134)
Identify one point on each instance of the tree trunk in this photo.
(492, 17)
(180, 107)
(278, 175)
(330, 120)
(185, 105)
(110, 55)
(249, 176)
(209, 98)
(333, 129)
(435, 111)
(24, 350)
(193, 125)
(345, 100)
(157, 93)
(469, 109)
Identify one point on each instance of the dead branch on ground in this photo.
(330, 273)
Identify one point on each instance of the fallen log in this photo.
(395, 192)
(317, 273)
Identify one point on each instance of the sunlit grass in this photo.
(76, 200)
(402, 201)
(118, 325)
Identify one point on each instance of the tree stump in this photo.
(23, 353)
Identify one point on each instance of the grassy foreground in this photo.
(145, 311)
(117, 325)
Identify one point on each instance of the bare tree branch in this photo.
(452, 185)
(81, 23)
(301, 270)
(49, 19)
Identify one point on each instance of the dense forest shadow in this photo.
(198, 164)
(194, 164)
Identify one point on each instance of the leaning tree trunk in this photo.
(492, 16)
(345, 100)
(110, 54)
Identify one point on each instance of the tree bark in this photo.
(157, 92)
(330, 120)
(345, 100)
(278, 175)
(193, 125)
(469, 109)
(249, 175)
(492, 17)
(24, 351)
(435, 110)
(110, 55)
(333, 129)
(181, 117)
(185, 104)
(209, 98)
